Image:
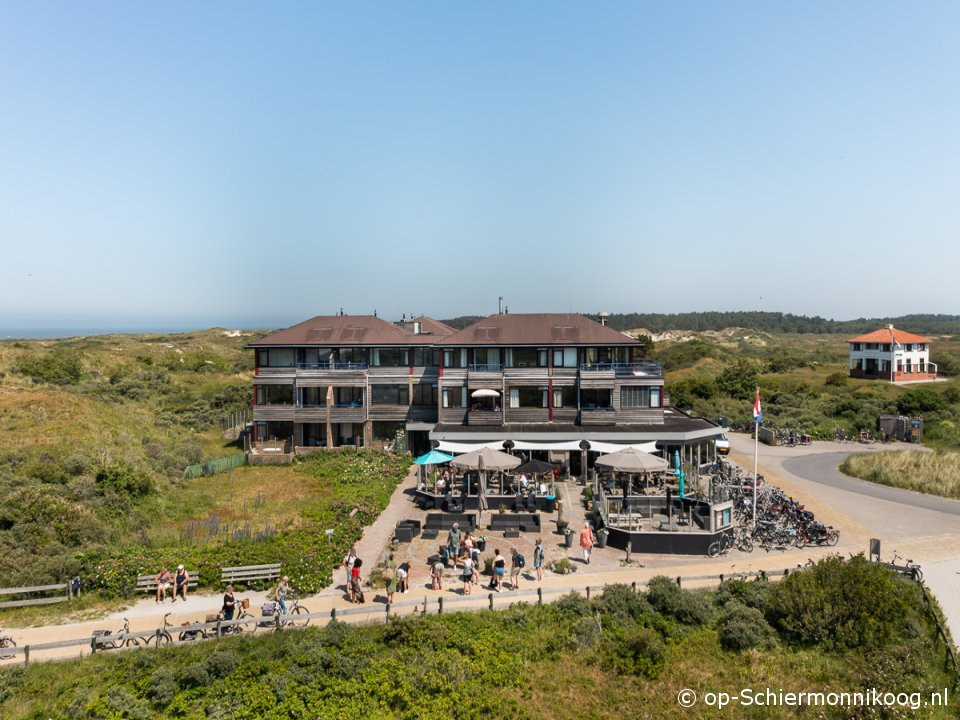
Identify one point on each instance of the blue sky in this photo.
(255, 164)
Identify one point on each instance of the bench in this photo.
(64, 588)
(243, 574)
(148, 583)
(515, 522)
(407, 530)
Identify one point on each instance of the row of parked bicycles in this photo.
(781, 520)
(297, 616)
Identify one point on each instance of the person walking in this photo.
(453, 543)
(587, 541)
(437, 574)
(538, 558)
(356, 589)
(228, 603)
(403, 577)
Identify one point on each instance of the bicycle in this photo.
(7, 642)
(162, 637)
(915, 572)
(296, 610)
(234, 626)
(106, 640)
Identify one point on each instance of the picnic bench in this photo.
(64, 588)
(245, 574)
(148, 583)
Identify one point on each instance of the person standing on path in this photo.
(390, 576)
(538, 558)
(499, 568)
(516, 565)
(587, 541)
(348, 561)
(467, 575)
(453, 543)
(280, 594)
(228, 603)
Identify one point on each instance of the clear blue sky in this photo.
(255, 164)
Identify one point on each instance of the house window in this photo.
(425, 394)
(313, 397)
(528, 397)
(528, 357)
(279, 357)
(595, 399)
(274, 395)
(923, 365)
(390, 357)
(565, 397)
(455, 397)
(640, 397)
(389, 394)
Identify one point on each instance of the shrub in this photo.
(193, 676)
(743, 628)
(573, 603)
(58, 367)
(751, 594)
(920, 400)
(837, 379)
(563, 566)
(162, 687)
(635, 650)
(844, 604)
(622, 604)
(221, 663)
(684, 606)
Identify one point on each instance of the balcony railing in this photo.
(489, 367)
(332, 366)
(644, 367)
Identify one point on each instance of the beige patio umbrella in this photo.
(485, 459)
(631, 460)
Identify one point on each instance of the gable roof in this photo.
(350, 330)
(889, 335)
(537, 329)
(434, 327)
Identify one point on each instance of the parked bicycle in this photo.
(162, 637)
(912, 568)
(106, 640)
(6, 642)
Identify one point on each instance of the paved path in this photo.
(925, 530)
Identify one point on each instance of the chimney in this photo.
(889, 326)
(603, 318)
(416, 327)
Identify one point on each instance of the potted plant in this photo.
(602, 535)
(481, 543)
(562, 526)
(568, 537)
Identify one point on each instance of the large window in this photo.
(275, 357)
(565, 357)
(390, 357)
(313, 397)
(425, 394)
(274, 395)
(349, 397)
(528, 397)
(455, 358)
(486, 356)
(389, 395)
(639, 397)
(383, 430)
(526, 357)
(455, 397)
(565, 397)
(595, 399)
(426, 357)
(352, 355)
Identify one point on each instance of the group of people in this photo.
(165, 579)
(280, 592)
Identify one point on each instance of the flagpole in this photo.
(756, 452)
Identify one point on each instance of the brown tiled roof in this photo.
(889, 335)
(434, 327)
(537, 329)
(343, 330)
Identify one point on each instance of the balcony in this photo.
(485, 417)
(489, 368)
(332, 366)
(643, 368)
(598, 416)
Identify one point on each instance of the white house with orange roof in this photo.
(891, 354)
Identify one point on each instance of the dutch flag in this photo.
(757, 412)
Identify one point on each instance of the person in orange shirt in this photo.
(586, 542)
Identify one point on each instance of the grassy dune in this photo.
(936, 473)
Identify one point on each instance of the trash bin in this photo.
(568, 539)
(551, 503)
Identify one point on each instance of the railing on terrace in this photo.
(489, 367)
(645, 367)
(332, 366)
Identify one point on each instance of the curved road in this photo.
(823, 468)
(925, 528)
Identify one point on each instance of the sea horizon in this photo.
(50, 333)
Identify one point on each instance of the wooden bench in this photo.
(245, 574)
(148, 583)
(64, 588)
